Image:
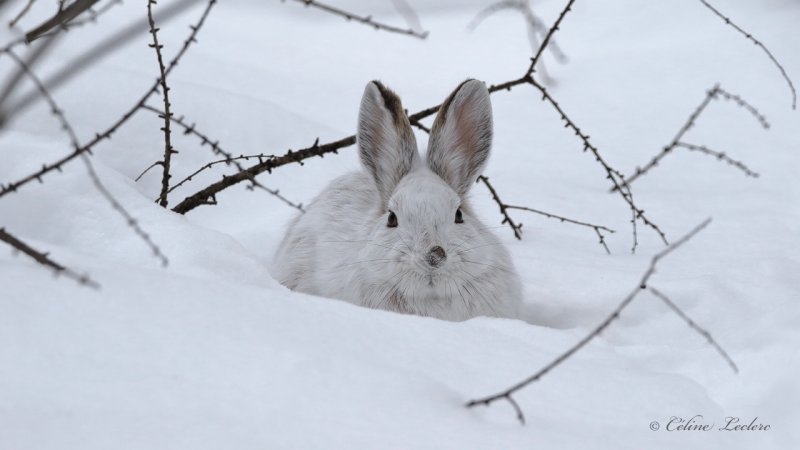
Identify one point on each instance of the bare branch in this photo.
(44, 259)
(719, 155)
(229, 159)
(696, 327)
(366, 20)
(507, 393)
(714, 93)
(759, 44)
(168, 150)
(598, 229)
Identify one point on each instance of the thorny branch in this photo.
(366, 20)
(517, 229)
(642, 285)
(45, 260)
(167, 115)
(229, 159)
(207, 195)
(720, 156)
(760, 45)
(108, 132)
(598, 229)
(714, 93)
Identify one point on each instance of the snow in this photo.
(210, 352)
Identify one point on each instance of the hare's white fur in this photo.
(342, 247)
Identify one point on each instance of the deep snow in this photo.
(212, 353)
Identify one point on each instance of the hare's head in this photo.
(424, 219)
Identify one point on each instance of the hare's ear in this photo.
(461, 136)
(386, 143)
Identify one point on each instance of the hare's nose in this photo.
(436, 256)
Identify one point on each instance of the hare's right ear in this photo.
(386, 143)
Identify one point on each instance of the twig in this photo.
(696, 327)
(759, 44)
(712, 94)
(45, 260)
(21, 14)
(57, 165)
(168, 150)
(260, 157)
(61, 17)
(598, 229)
(517, 229)
(719, 155)
(725, 95)
(366, 20)
(58, 113)
(507, 393)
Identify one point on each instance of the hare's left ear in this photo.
(461, 136)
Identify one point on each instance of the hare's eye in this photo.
(459, 216)
(392, 220)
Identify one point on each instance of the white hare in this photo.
(400, 235)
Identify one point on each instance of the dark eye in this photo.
(392, 222)
(459, 216)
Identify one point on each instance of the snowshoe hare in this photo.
(400, 234)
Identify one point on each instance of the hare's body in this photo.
(401, 235)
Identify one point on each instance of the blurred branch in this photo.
(534, 27)
(21, 14)
(507, 393)
(758, 43)
(712, 94)
(58, 113)
(695, 327)
(366, 20)
(166, 115)
(45, 260)
(720, 156)
(108, 132)
(92, 16)
(61, 17)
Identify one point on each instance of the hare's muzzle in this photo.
(436, 256)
